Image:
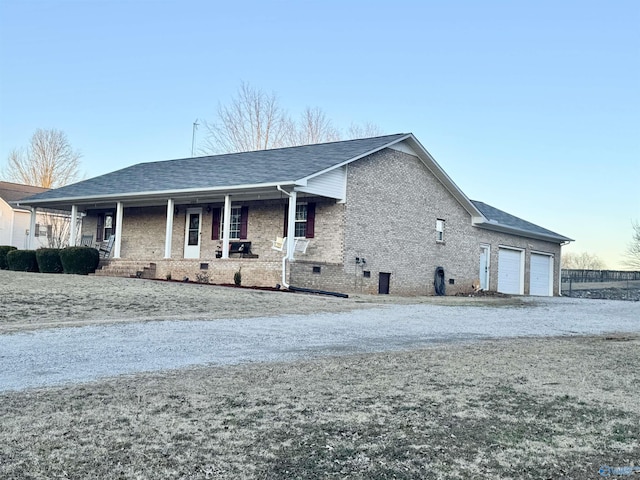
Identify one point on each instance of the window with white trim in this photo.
(301, 220)
(439, 230)
(236, 221)
(108, 225)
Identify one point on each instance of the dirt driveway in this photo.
(201, 324)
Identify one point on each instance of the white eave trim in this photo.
(162, 193)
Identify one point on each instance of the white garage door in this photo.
(509, 271)
(540, 282)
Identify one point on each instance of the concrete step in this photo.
(126, 268)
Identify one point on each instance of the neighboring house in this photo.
(15, 222)
(374, 215)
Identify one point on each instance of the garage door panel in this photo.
(509, 271)
(540, 275)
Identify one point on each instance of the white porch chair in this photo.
(300, 245)
(279, 244)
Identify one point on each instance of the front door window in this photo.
(194, 228)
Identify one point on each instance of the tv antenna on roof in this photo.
(193, 137)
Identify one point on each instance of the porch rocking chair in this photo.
(105, 249)
(86, 241)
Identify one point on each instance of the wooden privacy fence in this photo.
(586, 276)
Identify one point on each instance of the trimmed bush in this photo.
(22, 261)
(49, 260)
(79, 260)
(4, 249)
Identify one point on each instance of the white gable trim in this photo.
(332, 184)
(404, 148)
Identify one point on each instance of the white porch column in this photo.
(226, 226)
(291, 224)
(116, 245)
(31, 241)
(168, 234)
(73, 228)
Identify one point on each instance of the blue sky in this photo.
(532, 107)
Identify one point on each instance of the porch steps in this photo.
(126, 268)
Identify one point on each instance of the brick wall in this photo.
(393, 203)
(389, 219)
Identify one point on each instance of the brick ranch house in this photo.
(373, 215)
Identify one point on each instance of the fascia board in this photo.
(159, 193)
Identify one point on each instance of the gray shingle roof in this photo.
(283, 165)
(11, 192)
(500, 220)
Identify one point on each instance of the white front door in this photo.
(192, 231)
(484, 267)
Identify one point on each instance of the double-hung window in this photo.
(301, 220)
(439, 230)
(238, 223)
(234, 230)
(304, 221)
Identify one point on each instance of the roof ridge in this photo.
(307, 145)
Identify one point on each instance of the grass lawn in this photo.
(528, 408)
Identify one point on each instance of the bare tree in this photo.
(313, 127)
(363, 131)
(254, 120)
(49, 161)
(632, 255)
(582, 261)
(58, 227)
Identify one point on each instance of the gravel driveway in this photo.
(78, 354)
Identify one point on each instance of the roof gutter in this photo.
(495, 226)
(157, 193)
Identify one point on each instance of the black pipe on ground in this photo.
(319, 292)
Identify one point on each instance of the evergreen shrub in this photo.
(79, 260)
(49, 260)
(22, 261)
(4, 249)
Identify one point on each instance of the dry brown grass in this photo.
(529, 408)
(32, 301)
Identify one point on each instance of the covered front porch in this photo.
(209, 238)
